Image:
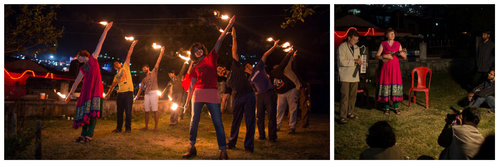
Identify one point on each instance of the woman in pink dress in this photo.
(89, 104)
(390, 85)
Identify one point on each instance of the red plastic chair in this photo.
(421, 86)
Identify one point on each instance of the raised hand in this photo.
(295, 53)
(276, 43)
(233, 32)
(109, 26)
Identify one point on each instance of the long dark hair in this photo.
(197, 45)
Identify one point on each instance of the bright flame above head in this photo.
(104, 23)
(224, 17)
(156, 46)
(61, 95)
(216, 12)
(158, 93)
(129, 38)
(288, 49)
(169, 98)
(185, 58)
(285, 45)
(270, 39)
(221, 30)
(174, 106)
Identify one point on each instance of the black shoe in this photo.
(116, 131)
(223, 155)
(191, 152)
(291, 131)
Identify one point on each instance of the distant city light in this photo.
(51, 57)
(437, 24)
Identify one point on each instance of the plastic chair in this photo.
(421, 85)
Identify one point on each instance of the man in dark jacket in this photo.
(485, 58)
(484, 92)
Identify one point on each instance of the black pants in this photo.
(124, 104)
(267, 102)
(243, 105)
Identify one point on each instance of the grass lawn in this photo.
(417, 129)
(171, 142)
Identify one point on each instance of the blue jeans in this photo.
(490, 100)
(216, 119)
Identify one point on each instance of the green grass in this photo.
(171, 142)
(417, 128)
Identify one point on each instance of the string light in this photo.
(33, 74)
(353, 28)
(15, 78)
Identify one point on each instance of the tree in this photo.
(297, 13)
(30, 26)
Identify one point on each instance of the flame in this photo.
(169, 98)
(61, 95)
(103, 94)
(129, 38)
(288, 49)
(224, 17)
(221, 30)
(215, 12)
(185, 58)
(174, 106)
(158, 93)
(270, 39)
(104, 23)
(156, 46)
(285, 45)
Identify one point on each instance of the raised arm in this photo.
(268, 52)
(73, 88)
(235, 46)
(223, 35)
(101, 40)
(159, 58)
(284, 62)
(127, 60)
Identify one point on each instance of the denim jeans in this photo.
(216, 119)
(490, 100)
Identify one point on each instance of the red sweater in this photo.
(205, 73)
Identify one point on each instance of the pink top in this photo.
(92, 82)
(205, 72)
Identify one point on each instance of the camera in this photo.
(454, 117)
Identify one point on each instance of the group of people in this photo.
(460, 136)
(253, 89)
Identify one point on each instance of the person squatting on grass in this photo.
(89, 104)
(460, 135)
(382, 142)
(243, 102)
(349, 57)
(484, 92)
(125, 92)
(150, 86)
(201, 84)
(391, 84)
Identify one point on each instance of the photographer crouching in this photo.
(460, 135)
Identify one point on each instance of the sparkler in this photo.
(185, 58)
(169, 98)
(61, 95)
(174, 106)
(156, 46)
(224, 17)
(285, 45)
(131, 38)
(103, 23)
(270, 39)
(288, 49)
(158, 93)
(216, 12)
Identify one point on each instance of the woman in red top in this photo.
(202, 82)
(89, 104)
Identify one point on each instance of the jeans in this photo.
(490, 100)
(216, 119)
(290, 100)
(88, 130)
(266, 102)
(243, 105)
(124, 104)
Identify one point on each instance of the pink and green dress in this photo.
(391, 83)
(89, 104)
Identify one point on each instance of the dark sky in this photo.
(254, 23)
